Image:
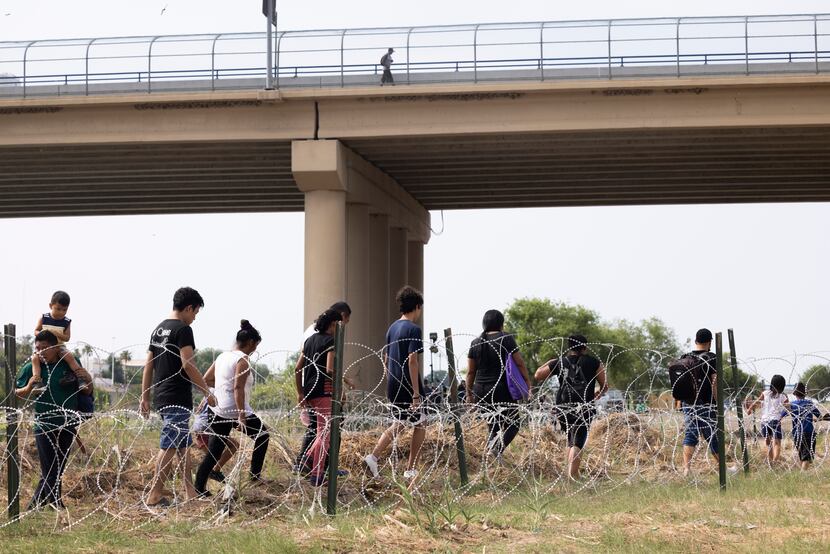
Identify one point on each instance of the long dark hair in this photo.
(777, 384)
(325, 319)
(493, 320)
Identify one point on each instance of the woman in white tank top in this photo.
(232, 376)
(774, 404)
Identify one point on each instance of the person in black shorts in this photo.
(404, 342)
(578, 373)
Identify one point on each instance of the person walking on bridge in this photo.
(386, 61)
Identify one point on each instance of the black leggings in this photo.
(53, 453)
(308, 440)
(220, 429)
(502, 415)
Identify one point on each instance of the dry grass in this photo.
(634, 498)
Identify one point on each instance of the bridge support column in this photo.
(398, 273)
(380, 301)
(316, 174)
(415, 266)
(359, 228)
(358, 292)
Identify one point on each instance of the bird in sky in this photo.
(164, 9)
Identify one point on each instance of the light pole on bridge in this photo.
(269, 10)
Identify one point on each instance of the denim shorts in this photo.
(772, 429)
(403, 411)
(175, 429)
(701, 421)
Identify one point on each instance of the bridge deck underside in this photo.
(589, 168)
(147, 179)
(609, 167)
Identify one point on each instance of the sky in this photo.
(769, 260)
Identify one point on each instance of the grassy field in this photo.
(768, 511)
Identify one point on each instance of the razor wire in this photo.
(630, 441)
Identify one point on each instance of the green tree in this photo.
(204, 358)
(87, 352)
(747, 383)
(25, 349)
(540, 325)
(636, 354)
(279, 391)
(817, 380)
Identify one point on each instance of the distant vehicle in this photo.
(612, 401)
(8, 79)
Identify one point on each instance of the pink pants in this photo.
(320, 448)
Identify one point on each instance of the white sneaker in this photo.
(372, 463)
(410, 474)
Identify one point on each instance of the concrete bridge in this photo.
(366, 163)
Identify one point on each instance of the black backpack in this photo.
(573, 384)
(686, 376)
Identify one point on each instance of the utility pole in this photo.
(269, 10)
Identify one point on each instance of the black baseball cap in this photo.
(703, 336)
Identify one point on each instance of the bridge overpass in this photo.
(366, 163)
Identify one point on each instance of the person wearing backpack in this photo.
(694, 380)
(488, 377)
(579, 373)
(386, 62)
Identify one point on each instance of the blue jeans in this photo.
(175, 430)
(701, 421)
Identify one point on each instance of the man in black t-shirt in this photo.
(701, 415)
(579, 373)
(170, 373)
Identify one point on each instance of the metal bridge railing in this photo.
(459, 53)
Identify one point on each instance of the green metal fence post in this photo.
(719, 391)
(739, 399)
(12, 454)
(455, 408)
(336, 410)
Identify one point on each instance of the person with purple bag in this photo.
(497, 379)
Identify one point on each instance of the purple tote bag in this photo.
(515, 382)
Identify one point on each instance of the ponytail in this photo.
(247, 332)
(325, 319)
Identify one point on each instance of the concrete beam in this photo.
(650, 104)
(181, 120)
(326, 164)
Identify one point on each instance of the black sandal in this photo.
(162, 503)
